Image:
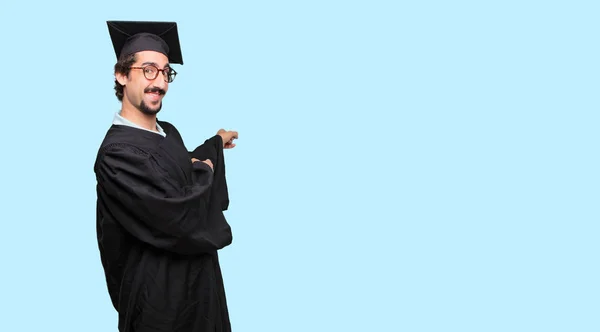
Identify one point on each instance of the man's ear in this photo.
(122, 79)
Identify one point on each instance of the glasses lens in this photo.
(170, 75)
(150, 72)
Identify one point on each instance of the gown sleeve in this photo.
(155, 208)
(207, 150)
(212, 149)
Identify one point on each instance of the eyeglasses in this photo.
(151, 72)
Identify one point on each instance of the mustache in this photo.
(151, 90)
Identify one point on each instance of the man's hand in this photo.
(228, 137)
(207, 161)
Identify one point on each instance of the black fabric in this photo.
(214, 152)
(130, 37)
(145, 42)
(160, 224)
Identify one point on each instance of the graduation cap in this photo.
(129, 37)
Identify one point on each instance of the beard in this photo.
(145, 108)
(149, 111)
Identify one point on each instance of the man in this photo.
(160, 207)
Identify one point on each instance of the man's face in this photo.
(143, 93)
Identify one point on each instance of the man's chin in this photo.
(150, 110)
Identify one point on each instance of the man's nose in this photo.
(160, 81)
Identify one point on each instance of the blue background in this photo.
(401, 166)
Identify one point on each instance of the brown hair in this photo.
(122, 67)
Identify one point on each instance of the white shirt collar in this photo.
(119, 120)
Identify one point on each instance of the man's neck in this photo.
(143, 120)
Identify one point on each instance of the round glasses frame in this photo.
(151, 72)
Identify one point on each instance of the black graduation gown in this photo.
(160, 223)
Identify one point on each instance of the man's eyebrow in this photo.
(155, 64)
